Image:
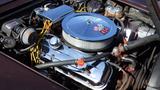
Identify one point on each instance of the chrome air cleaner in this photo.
(88, 31)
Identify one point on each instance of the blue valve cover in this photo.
(89, 26)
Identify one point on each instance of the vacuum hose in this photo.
(70, 62)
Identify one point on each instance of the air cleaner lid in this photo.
(89, 26)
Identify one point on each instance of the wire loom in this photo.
(35, 51)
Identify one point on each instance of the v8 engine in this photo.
(85, 44)
(84, 34)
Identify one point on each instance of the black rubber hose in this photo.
(141, 42)
(70, 62)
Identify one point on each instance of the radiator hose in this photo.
(139, 43)
(132, 45)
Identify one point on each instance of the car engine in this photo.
(85, 44)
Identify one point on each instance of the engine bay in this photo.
(85, 44)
